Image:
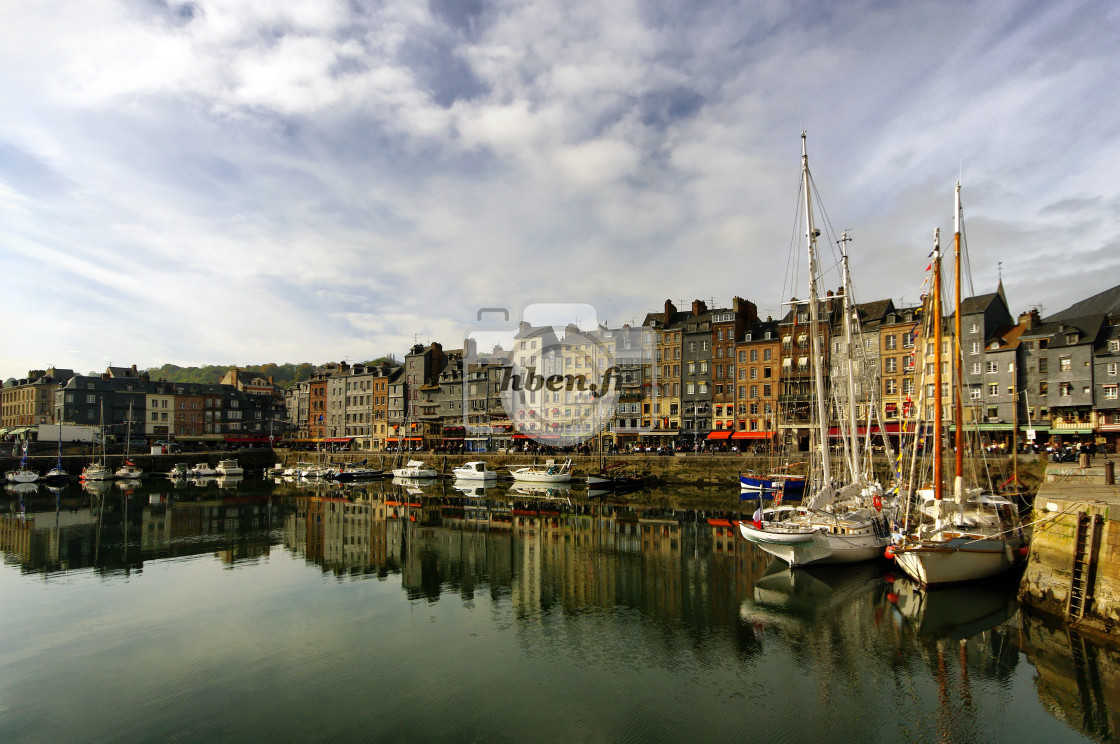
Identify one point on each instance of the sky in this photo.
(253, 181)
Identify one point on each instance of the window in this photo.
(1064, 364)
(974, 392)
(890, 341)
(974, 347)
(1111, 369)
(974, 328)
(689, 388)
(992, 368)
(1110, 392)
(1114, 345)
(976, 368)
(766, 355)
(1064, 390)
(754, 373)
(766, 392)
(908, 340)
(993, 389)
(890, 387)
(892, 364)
(754, 391)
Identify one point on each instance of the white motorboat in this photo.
(414, 469)
(202, 470)
(228, 467)
(128, 471)
(474, 470)
(550, 472)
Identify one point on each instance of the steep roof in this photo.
(1105, 303)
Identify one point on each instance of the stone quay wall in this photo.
(1049, 574)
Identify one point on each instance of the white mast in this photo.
(811, 234)
(852, 450)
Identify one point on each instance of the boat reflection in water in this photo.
(595, 607)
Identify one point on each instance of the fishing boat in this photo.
(550, 472)
(840, 522)
(977, 534)
(474, 470)
(22, 474)
(414, 469)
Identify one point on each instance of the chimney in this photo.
(670, 311)
(699, 307)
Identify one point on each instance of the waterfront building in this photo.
(317, 406)
(296, 404)
(696, 375)
(30, 401)
(189, 403)
(633, 357)
(422, 366)
(757, 381)
(1106, 379)
(661, 400)
(795, 396)
(899, 366)
(987, 369)
(727, 326)
(863, 358)
(1058, 361)
(159, 419)
(449, 400)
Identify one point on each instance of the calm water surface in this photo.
(269, 612)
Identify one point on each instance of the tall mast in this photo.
(852, 452)
(958, 359)
(938, 423)
(811, 234)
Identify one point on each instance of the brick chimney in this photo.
(698, 307)
(670, 311)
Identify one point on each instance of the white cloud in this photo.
(337, 177)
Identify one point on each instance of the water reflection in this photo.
(657, 584)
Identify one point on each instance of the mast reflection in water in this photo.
(250, 611)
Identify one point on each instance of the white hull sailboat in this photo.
(840, 523)
(975, 535)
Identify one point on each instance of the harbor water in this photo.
(248, 610)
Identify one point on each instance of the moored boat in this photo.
(228, 467)
(474, 470)
(550, 472)
(414, 469)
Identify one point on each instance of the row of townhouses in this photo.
(692, 377)
(125, 403)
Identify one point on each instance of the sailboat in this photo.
(128, 471)
(57, 473)
(838, 523)
(22, 474)
(978, 534)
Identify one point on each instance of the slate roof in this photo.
(1104, 303)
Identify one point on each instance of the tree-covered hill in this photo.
(283, 375)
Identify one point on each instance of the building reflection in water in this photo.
(560, 561)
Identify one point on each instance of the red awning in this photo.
(719, 435)
(753, 434)
(339, 440)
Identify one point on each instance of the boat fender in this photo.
(1008, 553)
(878, 502)
(892, 597)
(889, 553)
(1024, 551)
